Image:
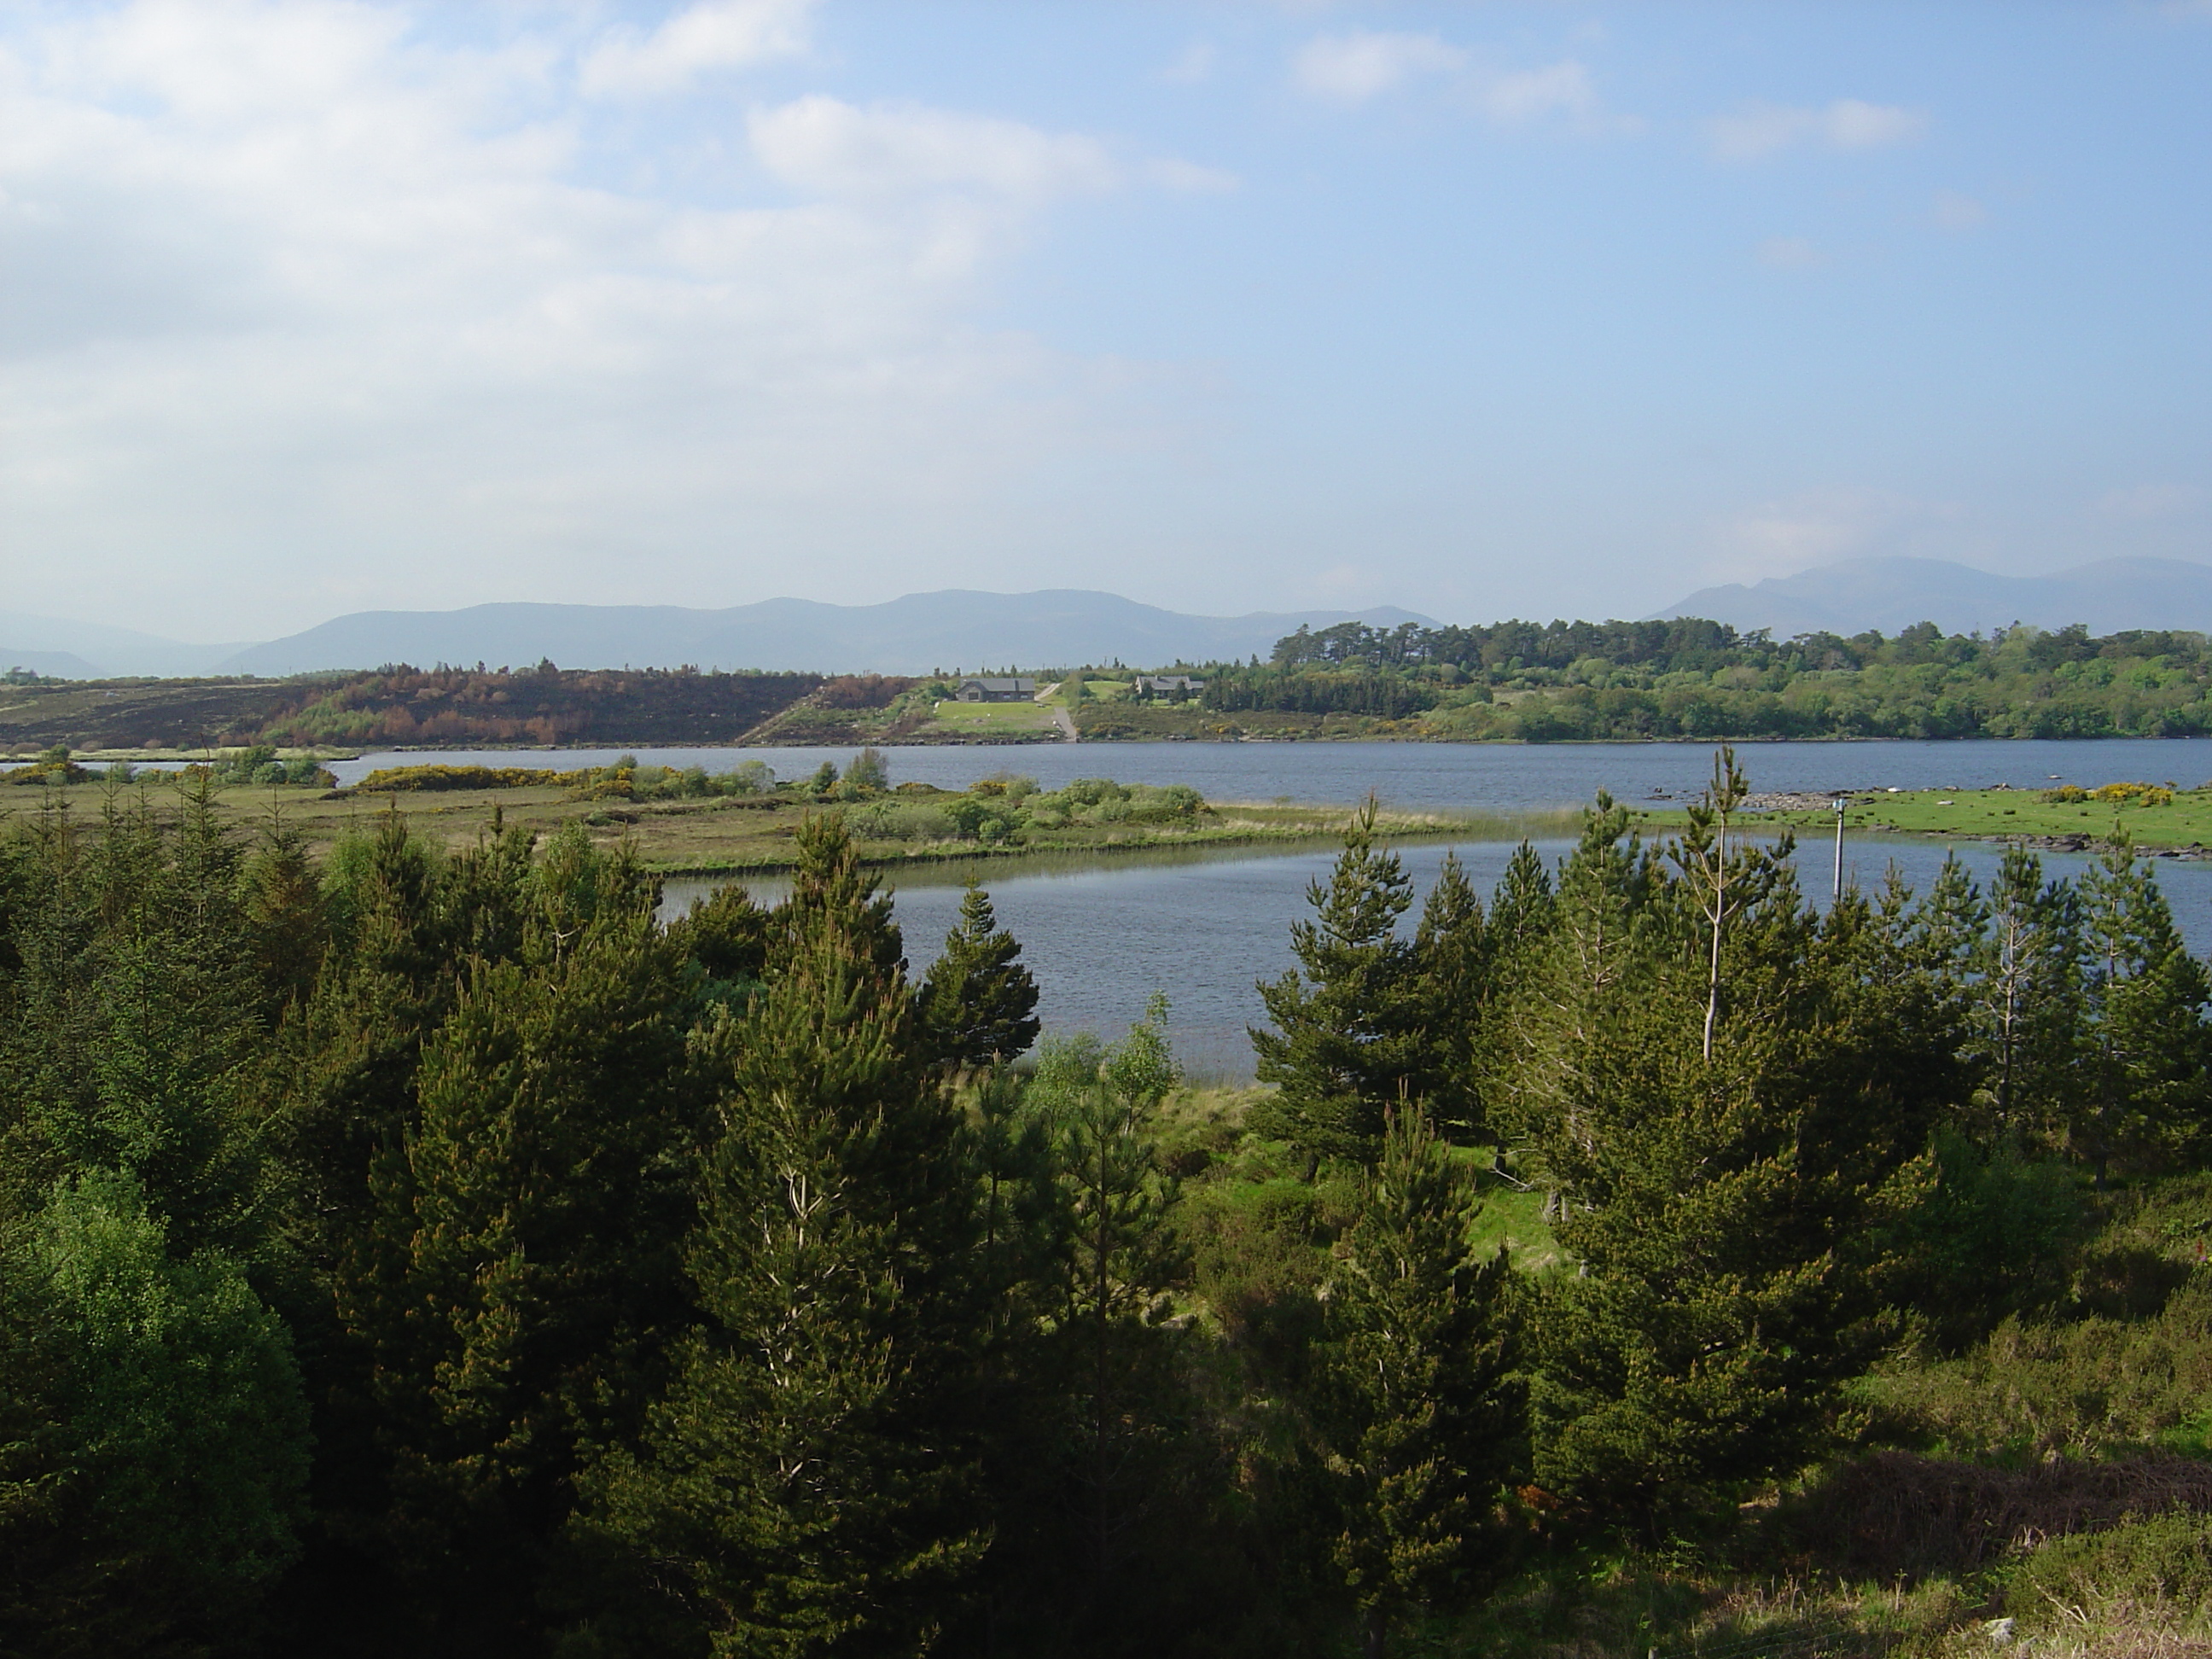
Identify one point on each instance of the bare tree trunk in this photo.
(1719, 914)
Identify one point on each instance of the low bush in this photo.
(2074, 1388)
(435, 779)
(2151, 1569)
(1896, 1515)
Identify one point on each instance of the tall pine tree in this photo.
(807, 1483)
(1415, 1402)
(977, 1005)
(1726, 1128)
(1350, 1035)
(2148, 1101)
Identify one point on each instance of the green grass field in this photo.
(1006, 718)
(2187, 821)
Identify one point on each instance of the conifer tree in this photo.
(1416, 1405)
(1349, 1035)
(134, 1022)
(1454, 948)
(2026, 998)
(1100, 1432)
(1727, 1137)
(284, 904)
(519, 1274)
(977, 1003)
(808, 1480)
(1521, 907)
(2149, 1099)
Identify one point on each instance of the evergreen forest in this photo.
(1688, 678)
(427, 1253)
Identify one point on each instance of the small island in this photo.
(744, 820)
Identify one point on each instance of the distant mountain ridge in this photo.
(81, 650)
(908, 635)
(1890, 594)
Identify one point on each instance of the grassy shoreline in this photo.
(2172, 821)
(910, 829)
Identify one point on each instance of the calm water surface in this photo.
(1438, 775)
(1101, 937)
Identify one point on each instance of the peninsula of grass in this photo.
(693, 823)
(2156, 816)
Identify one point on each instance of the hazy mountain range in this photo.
(1894, 593)
(970, 630)
(909, 635)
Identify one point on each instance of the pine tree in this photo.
(2026, 998)
(1416, 1405)
(1099, 1436)
(977, 1005)
(1454, 948)
(808, 1479)
(1727, 1137)
(518, 1278)
(134, 1024)
(2149, 1099)
(1521, 909)
(782, 1483)
(1350, 1036)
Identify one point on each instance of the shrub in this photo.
(430, 778)
(1896, 1515)
(2077, 1389)
(2157, 1565)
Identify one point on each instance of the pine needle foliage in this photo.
(977, 1005)
(806, 1484)
(1348, 1036)
(1418, 1407)
(1729, 1132)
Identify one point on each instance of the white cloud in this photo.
(1781, 537)
(1189, 179)
(718, 34)
(2156, 501)
(1848, 124)
(1351, 69)
(1789, 253)
(1193, 66)
(299, 312)
(1564, 88)
(824, 145)
(1953, 211)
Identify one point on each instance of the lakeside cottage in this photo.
(1169, 685)
(1018, 688)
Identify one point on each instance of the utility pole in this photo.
(1841, 803)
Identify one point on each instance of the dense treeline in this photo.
(1686, 677)
(434, 1253)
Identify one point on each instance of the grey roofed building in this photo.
(1019, 688)
(1174, 685)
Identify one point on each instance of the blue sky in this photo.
(1480, 309)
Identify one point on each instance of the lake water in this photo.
(1436, 776)
(1101, 937)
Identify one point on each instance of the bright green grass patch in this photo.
(2185, 821)
(994, 716)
